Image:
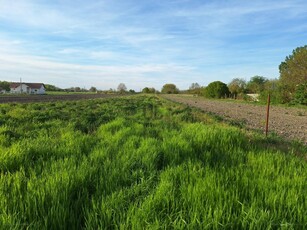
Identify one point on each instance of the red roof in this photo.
(30, 85)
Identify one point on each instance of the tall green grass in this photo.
(143, 163)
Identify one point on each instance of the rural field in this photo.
(144, 162)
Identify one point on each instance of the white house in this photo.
(28, 88)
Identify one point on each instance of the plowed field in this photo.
(46, 98)
(290, 123)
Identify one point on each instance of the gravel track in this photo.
(290, 123)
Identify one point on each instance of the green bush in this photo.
(217, 89)
(170, 89)
(300, 96)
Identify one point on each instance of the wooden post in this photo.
(267, 116)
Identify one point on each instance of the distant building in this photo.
(254, 96)
(28, 88)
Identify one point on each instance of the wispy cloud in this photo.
(147, 43)
(35, 68)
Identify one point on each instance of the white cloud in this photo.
(106, 42)
(65, 75)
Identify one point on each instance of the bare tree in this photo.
(194, 86)
(121, 88)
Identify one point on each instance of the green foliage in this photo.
(148, 90)
(52, 88)
(4, 85)
(217, 89)
(194, 86)
(293, 72)
(141, 162)
(195, 89)
(271, 87)
(256, 84)
(170, 89)
(237, 86)
(93, 89)
(301, 94)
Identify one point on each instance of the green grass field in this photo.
(141, 162)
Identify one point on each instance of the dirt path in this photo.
(290, 123)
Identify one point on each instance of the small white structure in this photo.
(254, 96)
(28, 88)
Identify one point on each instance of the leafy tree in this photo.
(121, 88)
(73, 89)
(152, 90)
(293, 72)
(170, 89)
(5, 85)
(256, 84)
(300, 96)
(271, 87)
(217, 89)
(49, 87)
(145, 90)
(237, 86)
(93, 89)
(148, 90)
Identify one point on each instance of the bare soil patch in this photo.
(47, 98)
(290, 123)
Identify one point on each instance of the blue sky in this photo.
(146, 43)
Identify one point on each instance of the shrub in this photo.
(170, 89)
(217, 89)
(300, 96)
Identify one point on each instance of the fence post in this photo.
(267, 115)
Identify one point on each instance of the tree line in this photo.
(290, 87)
